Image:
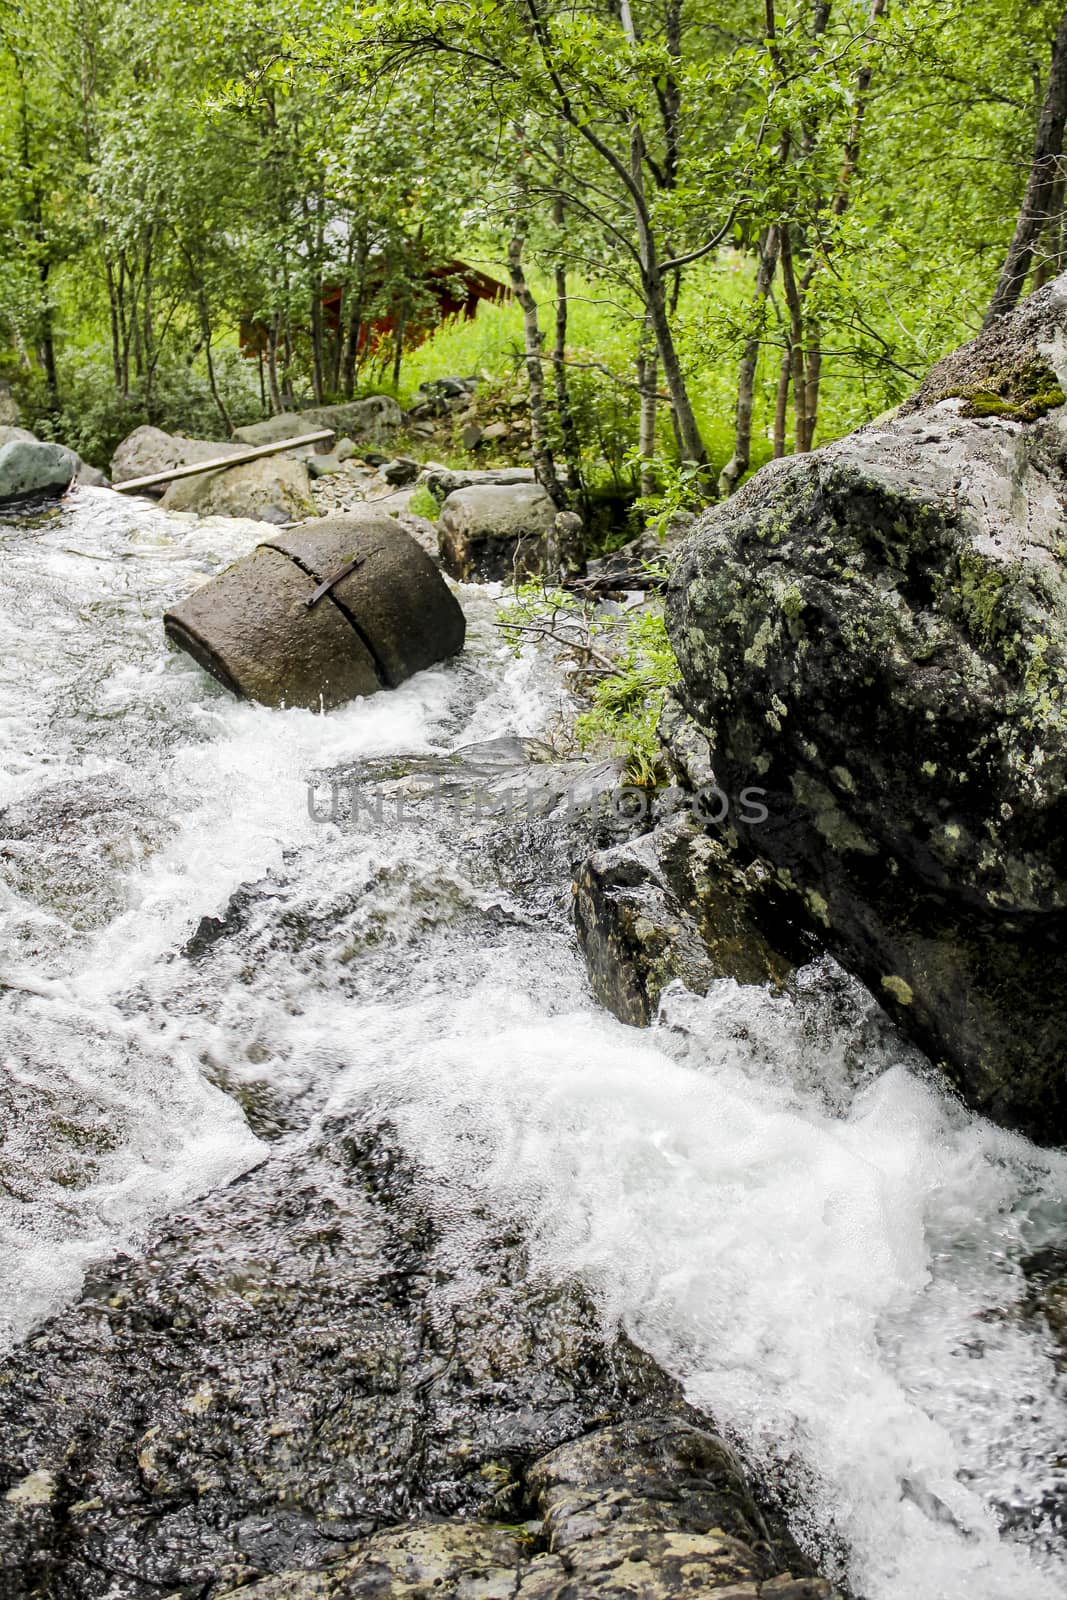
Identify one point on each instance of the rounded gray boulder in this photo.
(29, 467)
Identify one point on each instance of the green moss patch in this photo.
(1022, 392)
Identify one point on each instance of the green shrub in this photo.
(93, 417)
(622, 666)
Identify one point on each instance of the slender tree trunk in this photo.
(350, 363)
(48, 341)
(113, 310)
(148, 333)
(812, 380)
(781, 399)
(316, 342)
(647, 375)
(737, 466)
(288, 397)
(1040, 185)
(124, 327)
(398, 347)
(686, 427)
(205, 330)
(572, 449)
(272, 366)
(796, 344)
(540, 447)
(352, 337)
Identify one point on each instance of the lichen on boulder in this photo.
(877, 635)
(673, 904)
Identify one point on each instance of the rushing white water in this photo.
(774, 1196)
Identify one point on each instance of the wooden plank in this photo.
(220, 463)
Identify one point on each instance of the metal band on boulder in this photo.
(322, 614)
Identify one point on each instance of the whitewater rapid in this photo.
(777, 1198)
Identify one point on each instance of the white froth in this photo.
(824, 1248)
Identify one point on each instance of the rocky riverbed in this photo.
(351, 1248)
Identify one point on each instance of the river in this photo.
(775, 1196)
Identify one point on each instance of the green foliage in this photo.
(626, 705)
(423, 504)
(621, 665)
(170, 174)
(94, 417)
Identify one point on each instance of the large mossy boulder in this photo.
(876, 634)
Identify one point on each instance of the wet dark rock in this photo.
(496, 532)
(258, 628)
(674, 904)
(303, 1358)
(877, 635)
(309, 1356)
(643, 1511)
(400, 471)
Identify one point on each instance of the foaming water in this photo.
(774, 1195)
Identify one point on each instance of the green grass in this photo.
(603, 327)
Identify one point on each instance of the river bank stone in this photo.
(674, 904)
(374, 418)
(149, 450)
(29, 467)
(496, 532)
(645, 1511)
(274, 489)
(304, 1357)
(877, 635)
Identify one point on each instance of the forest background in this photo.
(730, 231)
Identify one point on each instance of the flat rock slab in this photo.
(296, 1362)
(306, 1357)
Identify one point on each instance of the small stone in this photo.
(401, 470)
(35, 1489)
